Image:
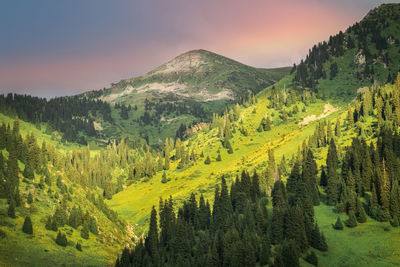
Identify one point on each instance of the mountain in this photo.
(367, 52)
(199, 75)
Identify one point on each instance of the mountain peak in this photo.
(186, 62)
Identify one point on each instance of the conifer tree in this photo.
(164, 178)
(27, 227)
(267, 124)
(207, 161)
(338, 130)
(338, 225)
(11, 208)
(219, 157)
(28, 171)
(323, 179)
(360, 212)
(85, 231)
(30, 198)
(167, 155)
(229, 147)
(350, 117)
(151, 241)
(332, 179)
(61, 239)
(352, 221)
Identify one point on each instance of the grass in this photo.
(368, 244)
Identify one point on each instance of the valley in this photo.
(208, 161)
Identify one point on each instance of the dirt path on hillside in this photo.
(328, 110)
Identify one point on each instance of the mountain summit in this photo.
(197, 74)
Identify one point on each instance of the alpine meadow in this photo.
(204, 160)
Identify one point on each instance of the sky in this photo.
(53, 48)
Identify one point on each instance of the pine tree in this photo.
(332, 179)
(30, 198)
(395, 222)
(312, 258)
(11, 209)
(61, 239)
(295, 228)
(329, 133)
(360, 212)
(78, 246)
(287, 255)
(151, 241)
(27, 227)
(207, 161)
(350, 118)
(352, 221)
(167, 155)
(164, 178)
(51, 224)
(28, 172)
(323, 245)
(338, 225)
(267, 124)
(219, 157)
(160, 166)
(338, 130)
(323, 179)
(85, 231)
(92, 225)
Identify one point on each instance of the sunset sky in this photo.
(53, 48)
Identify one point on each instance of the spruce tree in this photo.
(11, 209)
(338, 130)
(312, 259)
(360, 213)
(219, 157)
(338, 225)
(332, 179)
(267, 124)
(30, 198)
(207, 161)
(61, 239)
(85, 231)
(352, 221)
(167, 155)
(323, 179)
(151, 241)
(164, 178)
(27, 227)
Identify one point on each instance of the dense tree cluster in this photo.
(154, 110)
(37, 159)
(69, 115)
(238, 231)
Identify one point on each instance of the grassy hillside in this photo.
(251, 154)
(21, 249)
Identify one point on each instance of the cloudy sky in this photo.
(52, 48)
